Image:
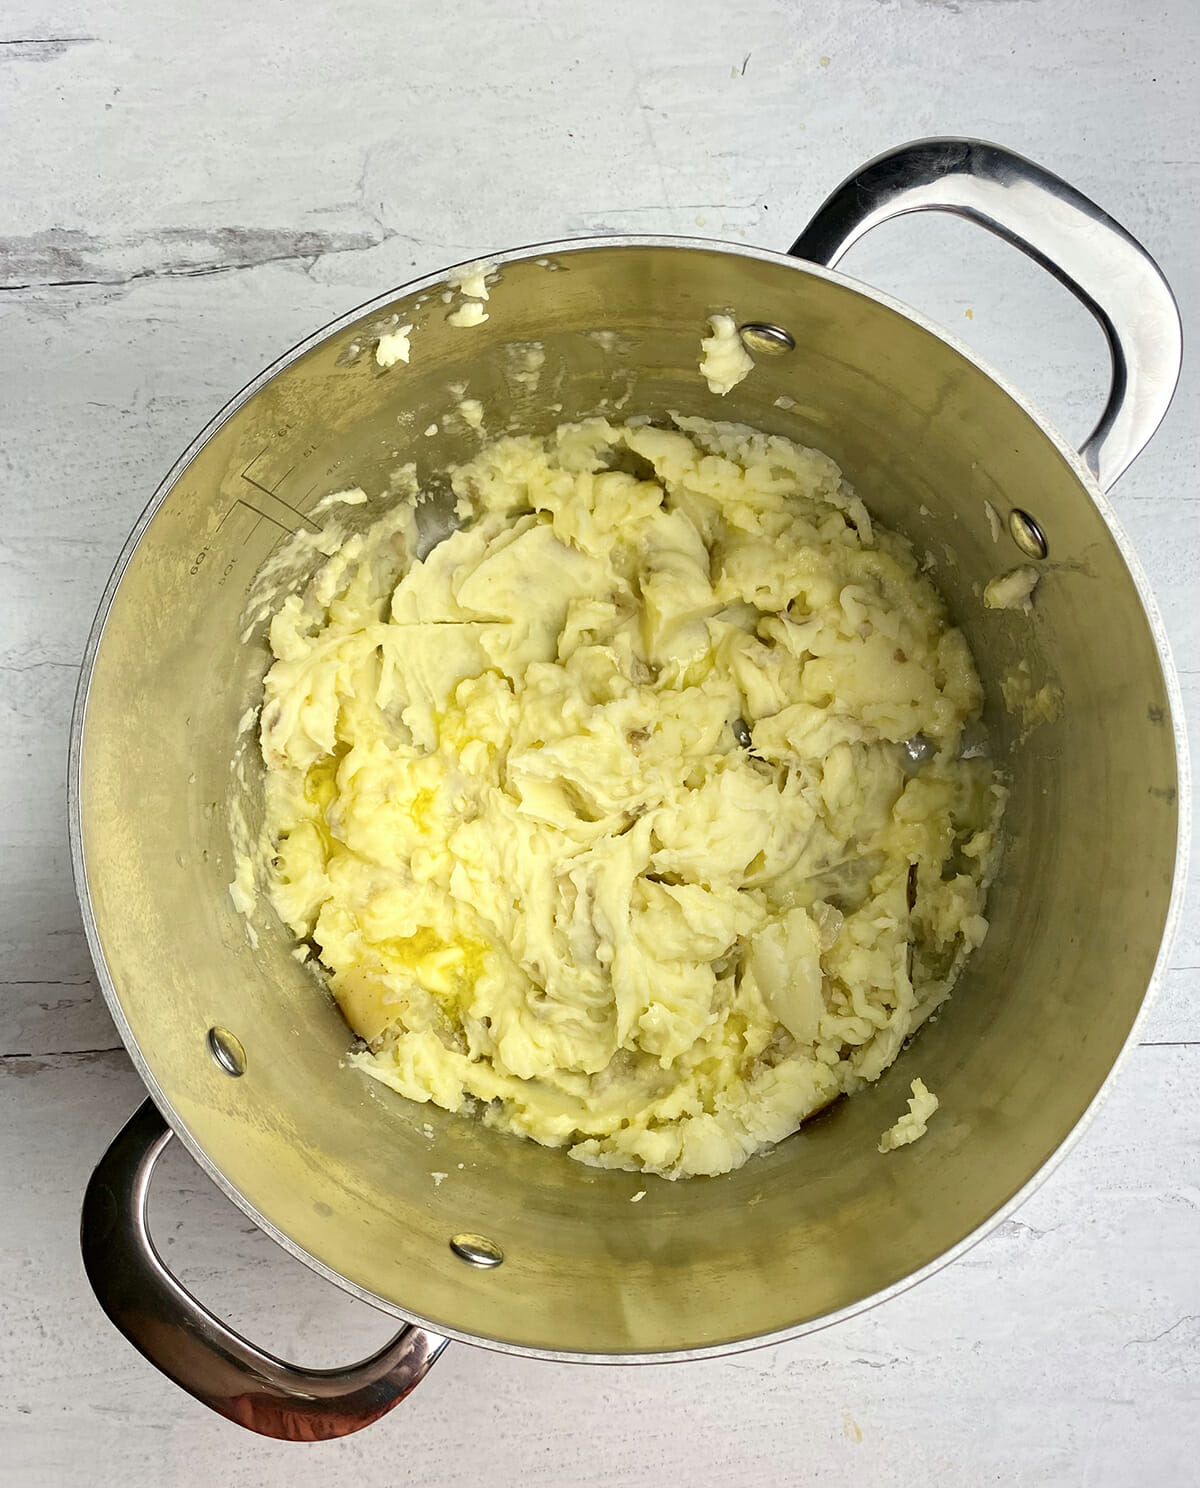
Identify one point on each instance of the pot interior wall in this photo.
(343, 1168)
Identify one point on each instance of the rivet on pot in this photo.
(766, 340)
(1026, 533)
(477, 1250)
(227, 1051)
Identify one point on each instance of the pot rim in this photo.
(556, 249)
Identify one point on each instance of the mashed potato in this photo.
(600, 817)
(915, 1122)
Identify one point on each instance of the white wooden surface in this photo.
(188, 189)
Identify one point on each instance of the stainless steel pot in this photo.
(242, 1053)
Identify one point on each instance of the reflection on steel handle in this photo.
(1098, 261)
(195, 1349)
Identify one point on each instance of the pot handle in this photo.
(189, 1345)
(1106, 268)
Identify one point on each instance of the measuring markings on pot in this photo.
(265, 505)
(274, 508)
(477, 1250)
(1027, 534)
(227, 1052)
(764, 339)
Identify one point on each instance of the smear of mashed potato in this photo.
(599, 817)
(724, 361)
(393, 346)
(1012, 590)
(915, 1122)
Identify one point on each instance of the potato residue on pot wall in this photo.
(600, 818)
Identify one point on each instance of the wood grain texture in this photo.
(189, 190)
